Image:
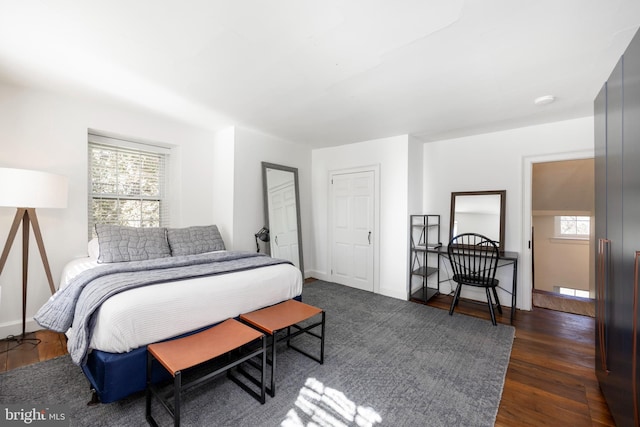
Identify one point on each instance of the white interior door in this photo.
(352, 229)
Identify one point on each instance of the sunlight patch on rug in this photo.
(328, 407)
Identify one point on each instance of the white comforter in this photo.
(153, 313)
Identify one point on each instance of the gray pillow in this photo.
(119, 243)
(194, 240)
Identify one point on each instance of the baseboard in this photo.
(15, 328)
(315, 274)
(393, 293)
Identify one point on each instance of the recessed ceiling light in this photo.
(544, 100)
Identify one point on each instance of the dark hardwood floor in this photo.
(37, 347)
(550, 380)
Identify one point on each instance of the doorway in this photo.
(562, 209)
(353, 228)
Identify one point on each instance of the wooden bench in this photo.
(286, 315)
(181, 354)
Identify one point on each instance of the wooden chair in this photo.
(474, 260)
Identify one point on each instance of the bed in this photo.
(206, 285)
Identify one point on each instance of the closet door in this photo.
(617, 168)
(601, 241)
(631, 209)
(617, 386)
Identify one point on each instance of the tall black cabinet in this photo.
(617, 228)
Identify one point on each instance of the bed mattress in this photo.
(154, 313)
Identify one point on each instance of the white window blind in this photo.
(127, 183)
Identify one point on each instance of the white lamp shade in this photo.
(22, 188)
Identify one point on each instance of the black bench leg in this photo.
(148, 393)
(263, 370)
(322, 340)
(272, 392)
(177, 385)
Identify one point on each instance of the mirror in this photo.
(479, 212)
(282, 212)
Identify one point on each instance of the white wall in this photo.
(415, 177)
(559, 262)
(497, 161)
(48, 132)
(392, 156)
(251, 149)
(216, 179)
(223, 169)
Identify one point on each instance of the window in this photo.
(573, 226)
(127, 183)
(572, 292)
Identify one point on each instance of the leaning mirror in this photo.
(480, 212)
(282, 212)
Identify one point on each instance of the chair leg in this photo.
(456, 296)
(490, 303)
(495, 294)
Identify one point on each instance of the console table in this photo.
(506, 258)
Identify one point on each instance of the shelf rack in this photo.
(424, 270)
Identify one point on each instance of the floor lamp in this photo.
(27, 190)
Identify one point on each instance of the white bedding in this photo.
(153, 313)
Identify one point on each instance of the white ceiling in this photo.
(325, 72)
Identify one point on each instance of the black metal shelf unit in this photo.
(424, 271)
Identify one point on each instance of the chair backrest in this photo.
(474, 258)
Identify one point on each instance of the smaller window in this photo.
(573, 226)
(572, 292)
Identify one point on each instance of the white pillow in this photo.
(93, 248)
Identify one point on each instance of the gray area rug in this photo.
(387, 363)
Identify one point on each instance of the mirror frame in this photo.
(265, 193)
(503, 196)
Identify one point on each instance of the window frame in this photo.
(558, 227)
(126, 145)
